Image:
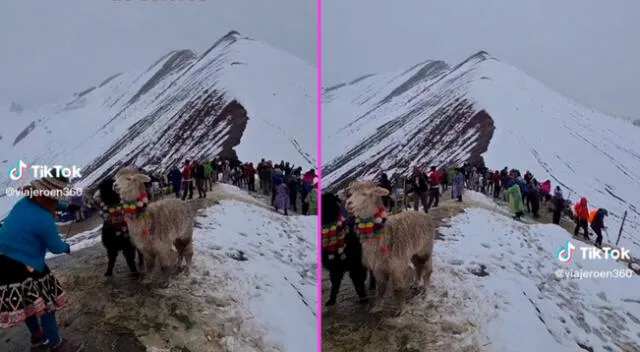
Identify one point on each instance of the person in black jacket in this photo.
(175, 178)
(534, 199)
(351, 257)
(598, 224)
(419, 186)
(115, 234)
(558, 205)
(287, 169)
(199, 176)
(387, 201)
(293, 183)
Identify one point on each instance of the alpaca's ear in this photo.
(142, 178)
(379, 192)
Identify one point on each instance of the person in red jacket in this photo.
(187, 180)
(581, 211)
(309, 176)
(495, 179)
(250, 173)
(435, 178)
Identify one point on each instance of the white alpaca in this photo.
(157, 227)
(407, 237)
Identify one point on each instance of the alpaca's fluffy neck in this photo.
(370, 211)
(134, 196)
(138, 227)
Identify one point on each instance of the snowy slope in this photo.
(501, 275)
(277, 282)
(482, 110)
(240, 97)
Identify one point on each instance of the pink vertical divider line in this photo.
(319, 173)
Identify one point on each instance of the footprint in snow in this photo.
(238, 255)
(633, 318)
(480, 270)
(602, 296)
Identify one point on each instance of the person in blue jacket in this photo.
(277, 177)
(175, 177)
(516, 179)
(29, 288)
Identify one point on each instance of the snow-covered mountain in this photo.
(482, 110)
(239, 97)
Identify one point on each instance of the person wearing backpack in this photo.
(597, 224)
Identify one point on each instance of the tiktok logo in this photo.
(17, 173)
(565, 254)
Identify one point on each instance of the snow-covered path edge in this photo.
(501, 275)
(268, 262)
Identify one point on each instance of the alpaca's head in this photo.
(359, 185)
(330, 208)
(365, 202)
(129, 184)
(108, 194)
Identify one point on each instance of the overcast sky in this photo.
(588, 50)
(51, 49)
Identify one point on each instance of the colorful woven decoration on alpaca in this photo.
(110, 213)
(137, 210)
(333, 239)
(114, 216)
(370, 229)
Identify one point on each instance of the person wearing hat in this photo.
(29, 288)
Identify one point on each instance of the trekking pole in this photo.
(607, 233)
(69, 230)
(621, 226)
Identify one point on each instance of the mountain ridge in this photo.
(234, 99)
(485, 111)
